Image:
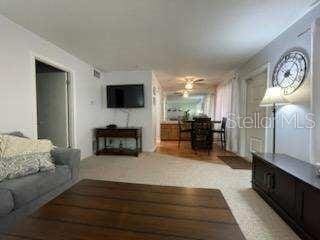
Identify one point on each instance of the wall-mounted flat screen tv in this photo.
(125, 96)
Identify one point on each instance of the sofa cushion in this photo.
(29, 188)
(6, 202)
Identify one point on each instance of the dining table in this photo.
(213, 123)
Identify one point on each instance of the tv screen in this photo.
(125, 96)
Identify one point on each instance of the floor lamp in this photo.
(273, 98)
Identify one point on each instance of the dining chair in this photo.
(201, 136)
(222, 133)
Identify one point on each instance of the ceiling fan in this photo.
(191, 81)
(182, 93)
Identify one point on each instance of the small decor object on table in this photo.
(186, 115)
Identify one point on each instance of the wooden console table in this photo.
(292, 188)
(105, 133)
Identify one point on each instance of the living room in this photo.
(163, 119)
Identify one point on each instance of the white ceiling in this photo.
(175, 38)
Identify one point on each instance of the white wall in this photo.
(315, 96)
(289, 140)
(156, 108)
(17, 84)
(139, 117)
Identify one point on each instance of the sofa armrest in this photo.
(70, 157)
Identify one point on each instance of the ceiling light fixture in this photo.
(185, 94)
(189, 86)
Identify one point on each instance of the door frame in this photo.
(243, 88)
(70, 92)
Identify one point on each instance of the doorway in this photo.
(255, 134)
(53, 105)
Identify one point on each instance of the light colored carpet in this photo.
(256, 219)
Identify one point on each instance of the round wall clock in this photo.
(290, 71)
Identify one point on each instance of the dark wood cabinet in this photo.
(283, 191)
(122, 133)
(292, 188)
(308, 209)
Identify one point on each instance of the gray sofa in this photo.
(20, 197)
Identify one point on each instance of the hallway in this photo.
(185, 151)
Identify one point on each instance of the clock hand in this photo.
(292, 66)
(283, 70)
(293, 63)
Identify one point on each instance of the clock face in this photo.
(290, 71)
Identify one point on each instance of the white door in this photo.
(52, 107)
(255, 135)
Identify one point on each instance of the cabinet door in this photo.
(165, 132)
(171, 132)
(261, 174)
(309, 209)
(283, 191)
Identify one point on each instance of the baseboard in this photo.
(151, 150)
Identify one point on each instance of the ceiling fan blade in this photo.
(198, 80)
(202, 84)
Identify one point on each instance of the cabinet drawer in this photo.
(308, 209)
(118, 133)
(262, 173)
(283, 191)
(169, 132)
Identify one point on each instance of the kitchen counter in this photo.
(170, 132)
(169, 122)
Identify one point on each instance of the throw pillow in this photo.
(20, 166)
(45, 161)
(13, 146)
(23, 165)
(3, 170)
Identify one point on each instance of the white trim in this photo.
(315, 90)
(258, 71)
(258, 142)
(151, 150)
(71, 91)
(243, 108)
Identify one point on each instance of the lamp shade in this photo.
(273, 96)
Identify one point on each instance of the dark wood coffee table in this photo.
(100, 210)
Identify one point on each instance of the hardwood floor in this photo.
(236, 162)
(185, 150)
(111, 210)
